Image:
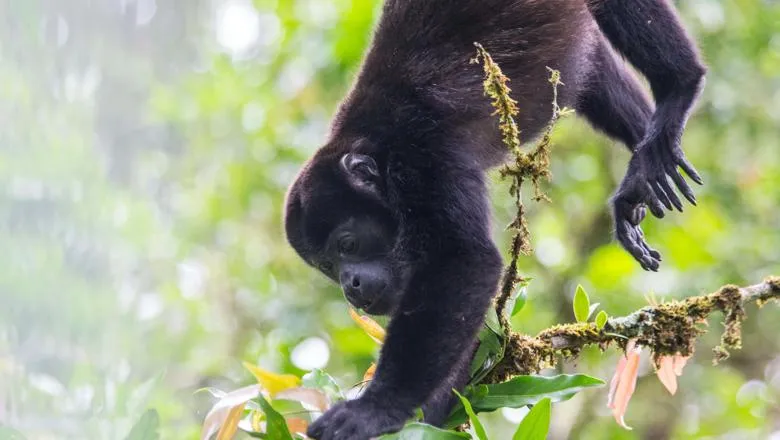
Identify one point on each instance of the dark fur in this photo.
(418, 109)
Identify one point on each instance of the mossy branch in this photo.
(666, 329)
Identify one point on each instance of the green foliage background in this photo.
(142, 173)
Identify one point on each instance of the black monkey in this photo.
(394, 207)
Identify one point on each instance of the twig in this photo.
(533, 166)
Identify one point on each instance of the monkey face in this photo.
(358, 255)
(338, 221)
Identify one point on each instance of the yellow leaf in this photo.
(295, 424)
(623, 383)
(257, 418)
(372, 329)
(272, 382)
(229, 428)
(369, 374)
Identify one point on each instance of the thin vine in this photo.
(533, 166)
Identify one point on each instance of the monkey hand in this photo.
(359, 419)
(646, 184)
(629, 234)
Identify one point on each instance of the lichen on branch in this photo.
(666, 329)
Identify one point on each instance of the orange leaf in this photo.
(614, 382)
(229, 428)
(679, 363)
(666, 374)
(372, 329)
(295, 424)
(369, 374)
(623, 383)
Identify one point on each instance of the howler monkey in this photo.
(394, 207)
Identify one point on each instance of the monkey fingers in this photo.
(640, 184)
(359, 419)
(673, 159)
(682, 185)
(666, 193)
(629, 234)
(653, 253)
(654, 200)
(660, 192)
(638, 214)
(681, 160)
(632, 240)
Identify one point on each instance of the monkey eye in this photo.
(347, 245)
(326, 266)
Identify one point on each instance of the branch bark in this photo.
(667, 329)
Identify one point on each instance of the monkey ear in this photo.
(361, 170)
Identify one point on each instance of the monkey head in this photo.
(339, 221)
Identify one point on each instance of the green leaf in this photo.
(419, 415)
(481, 356)
(489, 351)
(581, 304)
(320, 380)
(458, 414)
(421, 431)
(536, 423)
(518, 300)
(601, 320)
(7, 433)
(491, 321)
(146, 427)
(478, 428)
(528, 390)
(276, 427)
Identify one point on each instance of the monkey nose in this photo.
(353, 291)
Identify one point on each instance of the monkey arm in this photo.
(456, 268)
(649, 34)
(433, 332)
(427, 339)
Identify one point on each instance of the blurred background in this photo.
(145, 148)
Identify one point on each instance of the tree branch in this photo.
(667, 329)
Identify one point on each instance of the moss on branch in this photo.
(666, 329)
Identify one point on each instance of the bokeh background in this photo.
(145, 148)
